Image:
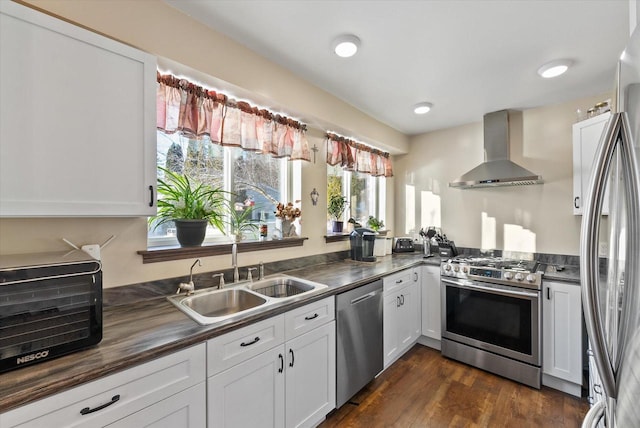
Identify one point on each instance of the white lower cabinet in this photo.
(250, 394)
(431, 304)
(401, 313)
(172, 385)
(562, 346)
(311, 376)
(292, 384)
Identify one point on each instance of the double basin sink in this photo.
(210, 306)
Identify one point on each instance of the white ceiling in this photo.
(467, 57)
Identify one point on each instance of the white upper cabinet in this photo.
(77, 120)
(586, 137)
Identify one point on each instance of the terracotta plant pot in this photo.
(190, 233)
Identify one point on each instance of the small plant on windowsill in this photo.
(336, 208)
(190, 205)
(241, 221)
(376, 225)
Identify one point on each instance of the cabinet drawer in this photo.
(232, 348)
(396, 281)
(308, 317)
(135, 389)
(186, 409)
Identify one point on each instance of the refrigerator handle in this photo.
(589, 253)
(593, 416)
(631, 179)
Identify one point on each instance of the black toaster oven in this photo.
(50, 305)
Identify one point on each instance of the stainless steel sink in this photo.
(211, 306)
(282, 287)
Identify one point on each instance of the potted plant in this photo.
(336, 207)
(376, 225)
(190, 205)
(241, 221)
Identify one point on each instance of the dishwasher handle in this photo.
(363, 297)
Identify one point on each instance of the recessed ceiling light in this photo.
(422, 108)
(346, 45)
(554, 68)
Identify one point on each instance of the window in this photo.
(365, 194)
(254, 178)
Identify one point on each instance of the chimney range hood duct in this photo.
(497, 170)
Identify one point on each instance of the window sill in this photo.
(164, 254)
(336, 237)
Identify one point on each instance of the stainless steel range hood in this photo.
(498, 169)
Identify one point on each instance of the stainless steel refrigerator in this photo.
(611, 284)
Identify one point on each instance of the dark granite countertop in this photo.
(139, 332)
(563, 273)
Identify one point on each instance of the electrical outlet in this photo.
(603, 249)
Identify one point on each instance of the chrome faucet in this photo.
(249, 270)
(261, 271)
(189, 287)
(234, 262)
(221, 283)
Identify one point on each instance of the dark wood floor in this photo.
(424, 389)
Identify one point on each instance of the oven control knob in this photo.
(465, 269)
(447, 268)
(519, 276)
(456, 268)
(531, 278)
(508, 275)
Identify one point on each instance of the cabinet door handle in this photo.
(402, 300)
(312, 317)
(397, 301)
(548, 293)
(250, 343)
(575, 202)
(292, 357)
(415, 275)
(150, 196)
(88, 410)
(281, 369)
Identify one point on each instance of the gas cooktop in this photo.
(498, 270)
(497, 263)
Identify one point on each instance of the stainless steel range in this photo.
(491, 316)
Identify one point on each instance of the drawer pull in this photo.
(312, 317)
(398, 281)
(250, 343)
(88, 410)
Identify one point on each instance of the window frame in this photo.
(290, 184)
(376, 194)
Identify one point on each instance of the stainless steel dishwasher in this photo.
(359, 339)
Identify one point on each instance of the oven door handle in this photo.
(493, 290)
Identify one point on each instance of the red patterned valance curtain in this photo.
(197, 112)
(355, 156)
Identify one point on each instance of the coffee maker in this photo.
(362, 241)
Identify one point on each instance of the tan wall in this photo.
(543, 211)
